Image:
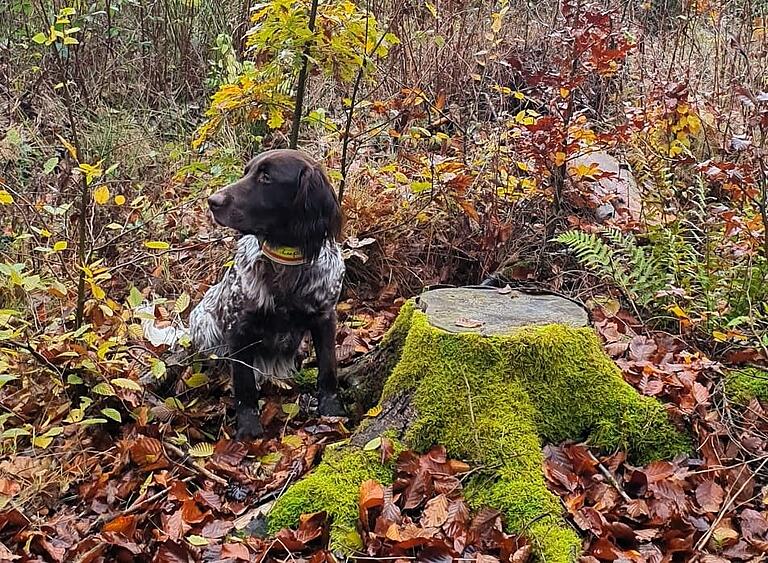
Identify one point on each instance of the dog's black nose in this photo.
(218, 200)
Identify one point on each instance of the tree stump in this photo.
(490, 375)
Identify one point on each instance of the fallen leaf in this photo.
(709, 495)
(468, 323)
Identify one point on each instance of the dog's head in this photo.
(284, 197)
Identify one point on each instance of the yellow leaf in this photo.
(373, 412)
(694, 123)
(203, 449)
(182, 302)
(60, 245)
(559, 158)
(101, 194)
(157, 245)
(292, 440)
(5, 198)
(676, 148)
(719, 336)
(197, 540)
(97, 292)
(495, 22)
(525, 118)
(126, 383)
(42, 441)
(528, 184)
(564, 92)
(69, 146)
(75, 415)
(91, 171)
(678, 312)
(119, 199)
(276, 119)
(585, 171)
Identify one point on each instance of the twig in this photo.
(135, 506)
(726, 467)
(196, 468)
(472, 412)
(608, 475)
(35, 354)
(705, 538)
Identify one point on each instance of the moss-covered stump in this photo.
(491, 376)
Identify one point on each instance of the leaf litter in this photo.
(169, 485)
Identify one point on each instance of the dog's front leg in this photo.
(323, 331)
(246, 397)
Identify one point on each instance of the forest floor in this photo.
(172, 485)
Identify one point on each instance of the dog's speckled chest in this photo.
(255, 285)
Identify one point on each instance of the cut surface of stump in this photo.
(491, 376)
(497, 312)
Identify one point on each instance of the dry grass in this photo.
(140, 93)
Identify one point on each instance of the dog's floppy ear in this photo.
(320, 213)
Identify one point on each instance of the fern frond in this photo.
(620, 259)
(589, 249)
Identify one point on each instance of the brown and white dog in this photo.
(285, 281)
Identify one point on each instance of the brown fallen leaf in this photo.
(710, 495)
(724, 535)
(463, 322)
(124, 525)
(235, 551)
(435, 512)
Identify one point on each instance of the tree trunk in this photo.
(490, 375)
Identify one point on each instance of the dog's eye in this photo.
(263, 176)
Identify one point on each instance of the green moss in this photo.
(334, 487)
(399, 330)
(741, 386)
(492, 400)
(551, 382)
(530, 509)
(306, 378)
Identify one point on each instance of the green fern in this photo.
(588, 248)
(620, 260)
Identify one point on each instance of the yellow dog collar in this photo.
(286, 255)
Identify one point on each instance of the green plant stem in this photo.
(303, 76)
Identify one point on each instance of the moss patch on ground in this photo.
(334, 487)
(493, 400)
(743, 385)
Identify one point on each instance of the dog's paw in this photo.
(328, 404)
(248, 424)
